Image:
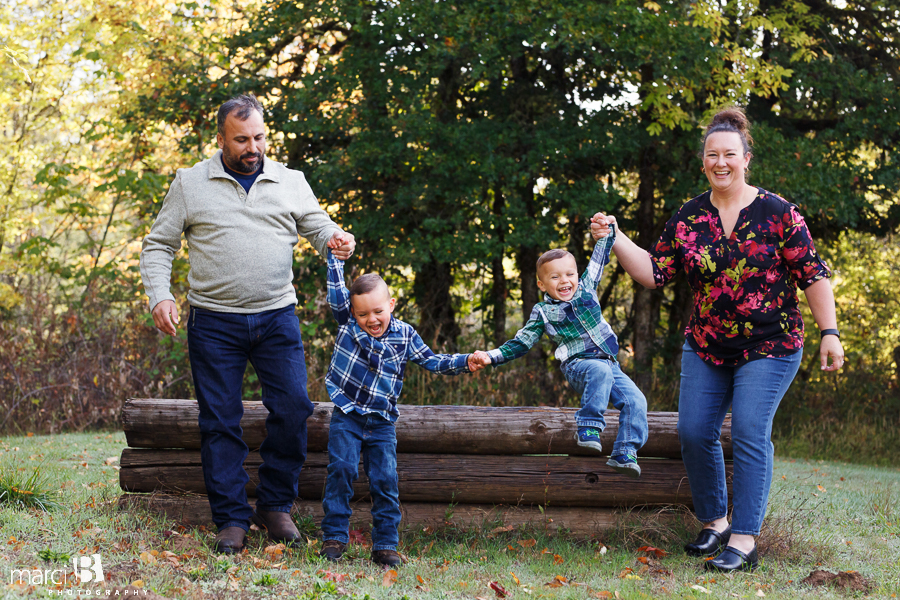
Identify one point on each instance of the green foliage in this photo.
(23, 490)
(50, 555)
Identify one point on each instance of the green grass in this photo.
(823, 515)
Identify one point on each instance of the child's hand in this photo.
(478, 360)
(600, 225)
(342, 244)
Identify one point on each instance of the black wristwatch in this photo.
(825, 332)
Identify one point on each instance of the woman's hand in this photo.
(600, 225)
(831, 346)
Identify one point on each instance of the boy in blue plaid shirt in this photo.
(571, 316)
(364, 381)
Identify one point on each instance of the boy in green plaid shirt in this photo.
(587, 347)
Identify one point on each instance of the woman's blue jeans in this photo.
(753, 392)
(374, 436)
(220, 344)
(601, 381)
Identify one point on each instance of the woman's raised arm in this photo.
(634, 259)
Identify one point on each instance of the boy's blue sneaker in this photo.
(626, 464)
(589, 437)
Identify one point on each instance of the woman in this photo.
(745, 251)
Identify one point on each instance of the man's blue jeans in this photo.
(601, 381)
(374, 436)
(753, 392)
(220, 344)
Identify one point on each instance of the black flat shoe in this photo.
(708, 542)
(732, 559)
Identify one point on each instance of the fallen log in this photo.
(194, 511)
(470, 479)
(156, 423)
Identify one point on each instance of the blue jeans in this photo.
(220, 344)
(753, 391)
(374, 436)
(601, 381)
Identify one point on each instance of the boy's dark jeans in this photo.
(220, 344)
(375, 437)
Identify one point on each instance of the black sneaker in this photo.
(333, 550)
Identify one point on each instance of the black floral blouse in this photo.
(745, 286)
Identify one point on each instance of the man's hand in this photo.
(342, 244)
(165, 316)
(478, 360)
(600, 225)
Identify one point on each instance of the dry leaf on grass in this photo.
(499, 590)
(527, 543)
(390, 578)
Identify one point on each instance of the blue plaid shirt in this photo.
(366, 373)
(577, 326)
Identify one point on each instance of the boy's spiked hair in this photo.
(367, 283)
(551, 255)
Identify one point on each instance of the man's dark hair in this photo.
(367, 283)
(241, 107)
(551, 255)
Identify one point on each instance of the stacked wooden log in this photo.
(465, 464)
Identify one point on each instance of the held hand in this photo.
(600, 225)
(479, 360)
(165, 316)
(831, 346)
(342, 244)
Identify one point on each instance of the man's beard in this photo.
(239, 165)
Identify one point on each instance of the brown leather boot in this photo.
(280, 526)
(230, 540)
(386, 558)
(333, 550)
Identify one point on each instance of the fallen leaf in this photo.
(527, 543)
(419, 579)
(659, 552)
(700, 588)
(497, 530)
(558, 581)
(111, 460)
(821, 488)
(390, 578)
(498, 589)
(516, 579)
(357, 536)
(760, 593)
(643, 559)
(557, 559)
(626, 572)
(604, 595)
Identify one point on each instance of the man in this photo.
(241, 215)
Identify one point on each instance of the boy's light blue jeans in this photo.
(376, 438)
(601, 381)
(753, 392)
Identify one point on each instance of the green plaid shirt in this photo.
(577, 326)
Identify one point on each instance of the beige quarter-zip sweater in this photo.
(240, 245)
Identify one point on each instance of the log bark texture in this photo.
(470, 479)
(194, 511)
(155, 423)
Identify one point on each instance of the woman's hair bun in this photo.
(731, 119)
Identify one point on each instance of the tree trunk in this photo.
(437, 319)
(499, 287)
